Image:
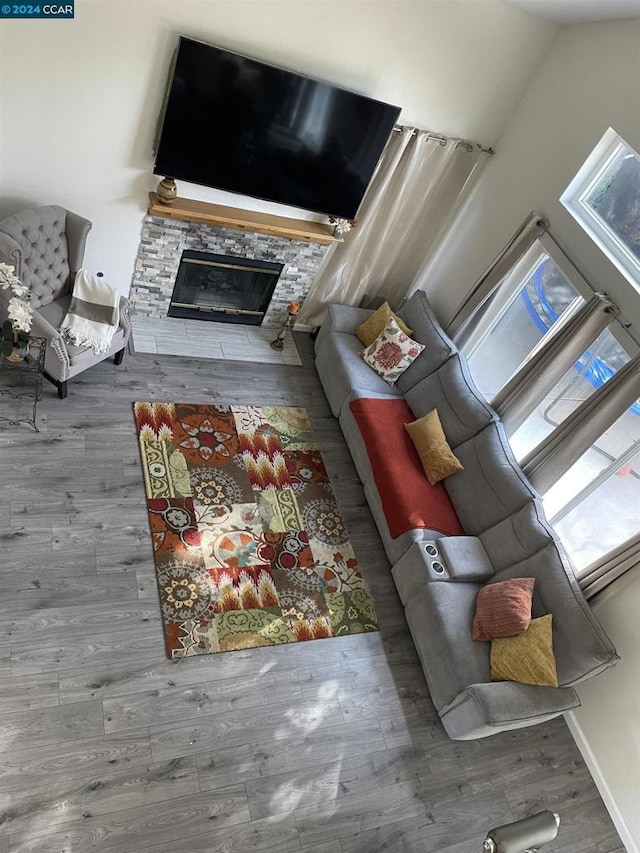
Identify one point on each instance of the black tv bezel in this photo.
(165, 103)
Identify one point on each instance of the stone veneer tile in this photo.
(164, 240)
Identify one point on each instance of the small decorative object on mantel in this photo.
(14, 334)
(292, 311)
(341, 226)
(167, 191)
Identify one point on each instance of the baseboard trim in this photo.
(607, 797)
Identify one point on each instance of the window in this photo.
(526, 307)
(593, 506)
(596, 366)
(604, 197)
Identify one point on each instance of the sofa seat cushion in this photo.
(440, 617)
(395, 548)
(408, 499)
(341, 370)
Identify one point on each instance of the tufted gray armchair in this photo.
(46, 247)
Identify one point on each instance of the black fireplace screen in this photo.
(223, 288)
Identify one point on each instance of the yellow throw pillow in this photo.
(527, 658)
(368, 331)
(433, 449)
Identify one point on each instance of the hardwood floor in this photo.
(330, 746)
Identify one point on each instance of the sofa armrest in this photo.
(56, 365)
(77, 228)
(465, 558)
(341, 318)
(485, 709)
(447, 559)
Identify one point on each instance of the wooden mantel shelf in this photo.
(246, 220)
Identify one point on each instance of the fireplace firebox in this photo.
(223, 288)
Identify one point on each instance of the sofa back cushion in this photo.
(418, 315)
(581, 646)
(492, 486)
(450, 390)
(520, 535)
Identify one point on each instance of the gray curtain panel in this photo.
(611, 566)
(533, 226)
(547, 462)
(545, 368)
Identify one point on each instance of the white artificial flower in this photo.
(20, 314)
(7, 277)
(19, 289)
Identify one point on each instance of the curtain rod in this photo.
(441, 139)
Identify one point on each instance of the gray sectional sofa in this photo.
(505, 533)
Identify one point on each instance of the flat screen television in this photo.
(240, 125)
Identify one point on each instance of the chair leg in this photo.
(117, 359)
(60, 386)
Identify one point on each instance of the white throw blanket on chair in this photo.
(94, 313)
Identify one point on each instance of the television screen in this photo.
(240, 125)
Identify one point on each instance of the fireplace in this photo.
(224, 288)
(164, 240)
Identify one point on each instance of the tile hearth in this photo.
(200, 339)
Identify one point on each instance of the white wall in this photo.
(80, 98)
(607, 726)
(587, 81)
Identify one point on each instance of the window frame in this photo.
(574, 199)
(512, 284)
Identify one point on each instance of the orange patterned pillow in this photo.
(391, 352)
(503, 609)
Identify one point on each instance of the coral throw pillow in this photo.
(368, 331)
(503, 609)
(528, 658)
(391, 352)
(438, 460)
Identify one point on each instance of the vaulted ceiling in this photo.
(579, 11)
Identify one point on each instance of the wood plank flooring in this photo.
(331, 746)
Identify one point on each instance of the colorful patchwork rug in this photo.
(250, 547)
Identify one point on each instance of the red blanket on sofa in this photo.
(408, 499)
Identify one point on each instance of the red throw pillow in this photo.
(503, 609)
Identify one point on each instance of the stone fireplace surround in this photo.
(164, 239)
